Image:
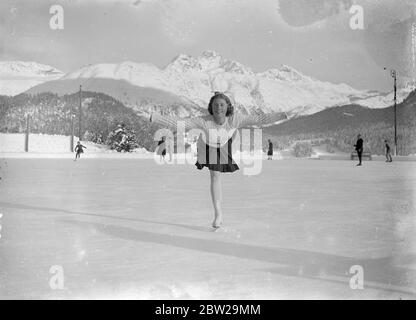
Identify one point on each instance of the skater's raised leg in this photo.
(216, 194)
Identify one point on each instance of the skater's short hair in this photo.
(230, 108)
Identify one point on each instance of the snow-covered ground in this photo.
(133, 229)
(54, 146)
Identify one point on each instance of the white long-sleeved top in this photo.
(217, 134)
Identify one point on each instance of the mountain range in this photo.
(185, 85)
(18, 76)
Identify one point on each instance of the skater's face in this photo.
(219, 108)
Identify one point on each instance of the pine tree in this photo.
(122, 139)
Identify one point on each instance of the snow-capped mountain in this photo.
(186, 84)
(376, 99)
(19, 76)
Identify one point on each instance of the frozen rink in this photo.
(128, 228)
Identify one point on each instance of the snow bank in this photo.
(58, 146)
(42, 143)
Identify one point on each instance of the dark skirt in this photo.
(216, 159)
(270, 153)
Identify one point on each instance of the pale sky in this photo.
(312, 36)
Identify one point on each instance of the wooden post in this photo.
(72, 133)
(395, 116)
(393, 73)
(79, 114)
(27, 133)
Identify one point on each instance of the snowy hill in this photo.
(51, 114)
(377, 100)
(19, 76)
(339, 126)
(140, 98)
(190, 81)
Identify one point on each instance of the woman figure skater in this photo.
(79, 150)
(215, 152)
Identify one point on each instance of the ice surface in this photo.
(128, 228)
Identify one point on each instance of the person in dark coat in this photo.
(79, 149)
(388, 152)
(270, 151)
(359, 147)
(161, 151)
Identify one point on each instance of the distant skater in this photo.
(79, 149)
(388, 152)
(270, 151)
(359, 148)
(215, 145)
(161, 148)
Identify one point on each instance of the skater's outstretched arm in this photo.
(172, 122)
(241, 121)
